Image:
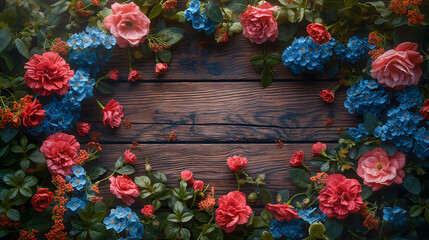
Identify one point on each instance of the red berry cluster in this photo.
(415, 17)
(400, 8)
(169, 5)
(82, 157)
(375, 53)
(159, 44)
(59, 46)
(95, 2)
(371, 222)
(28, 235)
(7, 222)
(375, 39)
(14, 116)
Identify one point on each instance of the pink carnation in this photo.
(232, 211)
(340, 197)
(61, 152)
(124, 188)
(48, 73)
(377, 168)
(398, 68)
(258, 23)
(128, 24)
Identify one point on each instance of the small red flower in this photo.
(133, 76)
(282, 212)
(236, 163)
(42, 199)
(83, 128)
(112, 114)
(232, 211)
(129, 157)
(160, 68)
(198, 185)
(113, 74)
(424, 111)
(187, 177)
(318, 33)
(297, 158)
(148, 210)
(317, 149)
(327, 95)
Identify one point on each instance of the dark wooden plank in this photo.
(208, 163)
(213, 62)
(233, 107)
(159, 133)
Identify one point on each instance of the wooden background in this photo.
(213, 101)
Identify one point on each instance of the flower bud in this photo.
(252, 197)
(148, 167)
(236, 28)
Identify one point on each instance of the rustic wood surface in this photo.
(212, 99)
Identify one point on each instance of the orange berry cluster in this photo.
(28, 235)
(13, 117)
(159, 44)
(208, 203)
(375, 53)
(95, 2)
(82, 157)
(125, 122)
(371, 222)
(94, 145)
(169, 5)
(7, 222)
(320, 178)
(375, 39)
(400, 8)
(59, 47)
(415, 17)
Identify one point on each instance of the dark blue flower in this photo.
(200, 21)
(292, 230)
(75, 41)
(421, 143)
(394, 215)
(409, 97)
(355, 50)
(311, 215)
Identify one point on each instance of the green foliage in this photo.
(213, 11)
(299, 177)
(411, 184)
(237, 6)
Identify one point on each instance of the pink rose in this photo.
(424, 111)
(129, 157)
(232, 211)
(128, 24)
(259, 25)
(33, 114)
(133, 76)
(83, 128)
(318, 33)
(42, 199)
(398, 68)
(318, 148)
(113, 74)
(297, 159)
(124, 188)
(282, 212)
(236, 163)
(61, 152)
(112, 114)
(48, 73)
(198, 185)
(377, 168)
(187, 176)
(160, 68)
(340, 197)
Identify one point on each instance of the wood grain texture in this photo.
(208, 163)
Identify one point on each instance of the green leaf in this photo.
(156, 10)
(283, 195)
(237, 6)
(299, 177)
(274, 59)
(82, 236)
(165, 56)
(427, 215)
(267, 236)
(19, 176)
(159, 26)
(324, 167)
(23, 141)
(142, 181)
(213, 11)
(171, 231)
(97, 231)
(389, 148)
(185, 234)
(156, 204)
(334, 228)
(412, 184)
(287, 31)
(22, 48)
(13, 214)
(366, 192)
(178, 208)
(8, 134)
(5, 38)
(3, 233)
(316, 229)
(104, 88)
(333, 70)
(201, 217)
(173, 218)
(17, 149)
(265, 196)
(257, 60)
(26, 192)
(173, 34)
(127, 170)
(258, 222)
(266, 76)
(370, 122)
(186, 217)
(97, 171)
(416, 211)
(160, 177)
(9, 179)
(30, 181)
(60, 7)
(37, 157)
(119, 162)
(10, 16)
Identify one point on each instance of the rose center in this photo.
(379, 166)
(129, 24)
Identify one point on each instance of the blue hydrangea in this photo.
(291, 230)
(367, 95)
(74, 204)
(78, 171)
(81, 85)
(399, 128)
(355, 50)
(421, 143)
(358, 133)
(312, 215)
(409, 97)
(121, 219)
(75, 41)
(306, 55)
(200, 21)
(394, 215)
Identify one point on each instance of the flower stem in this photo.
(305, 166)
(237, 178)
(130, 59)
(99, 103)
(294, 196)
